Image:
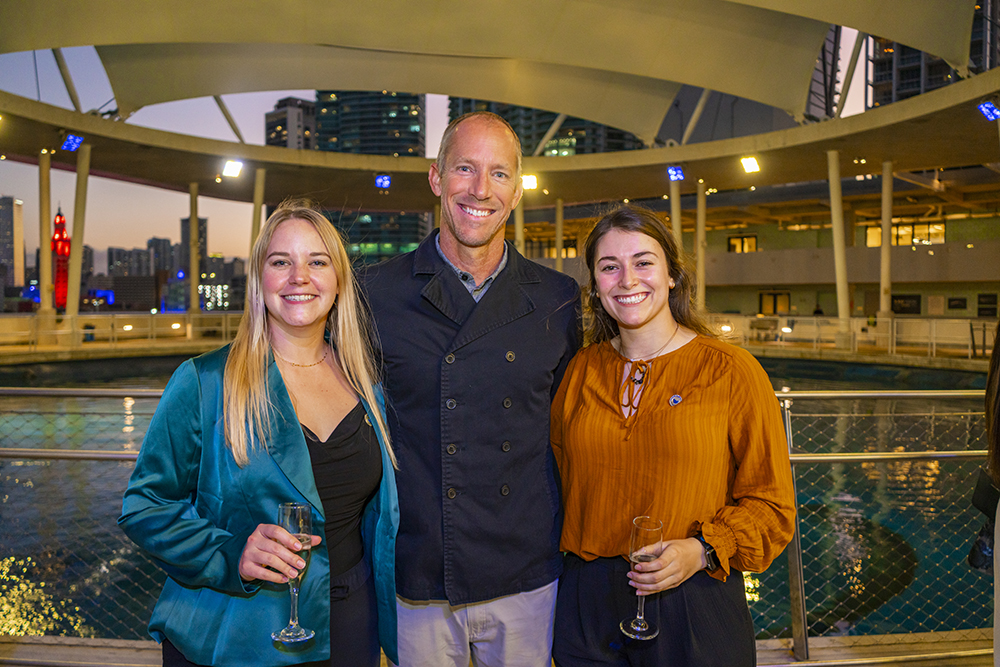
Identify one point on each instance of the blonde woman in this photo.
(289, 412)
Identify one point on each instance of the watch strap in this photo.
(711, 558)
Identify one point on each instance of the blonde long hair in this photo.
(247, 404)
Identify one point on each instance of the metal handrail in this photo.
(83, 393)
(787, 399)
(781, 395)
(99, 455)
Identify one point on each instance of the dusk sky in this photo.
(125, 215)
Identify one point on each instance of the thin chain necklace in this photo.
(655, 354)
(325, 352)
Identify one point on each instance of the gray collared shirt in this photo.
(477, 291)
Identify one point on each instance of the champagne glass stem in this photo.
(293, 588)
(640, 618)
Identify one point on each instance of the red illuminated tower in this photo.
(60, 259)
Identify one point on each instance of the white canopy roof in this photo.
(619, 62)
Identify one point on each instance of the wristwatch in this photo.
(711, 559)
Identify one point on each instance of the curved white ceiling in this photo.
(619, 62)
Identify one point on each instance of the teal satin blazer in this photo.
(192, 508)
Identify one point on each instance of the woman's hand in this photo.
(677, 562)
(269, 555)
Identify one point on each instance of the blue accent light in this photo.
(383, 181)
(180, 275)
(72, 142)
(675, 173)
(106, 294)
(989, 110)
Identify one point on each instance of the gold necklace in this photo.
(655, 354)
(325, 352)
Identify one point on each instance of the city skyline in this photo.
(121, 214)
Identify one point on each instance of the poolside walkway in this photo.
(13, 355)
(970, 648)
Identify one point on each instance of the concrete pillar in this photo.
(519, 227)
(559, 234)
(699, 247)
(79, 225)
(885, 265)
(839, 248)
(675, 214)
(194, 261)
(258, 205)
(45, 287)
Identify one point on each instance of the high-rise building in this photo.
(575, 136)
(374, 123)
(162, 251)
(134, 262)
(292, 124)
(185, 249)
(87, 265)
(12, 241)
(896, 71)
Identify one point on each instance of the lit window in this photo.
(743, 243)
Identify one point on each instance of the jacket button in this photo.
(504, 490)
(506, 402)
(449, 358)
(451, 403)
(505, 446)
(452, 493)
(510, 355)
(451, 449)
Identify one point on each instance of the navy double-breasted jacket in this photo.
(469, 386)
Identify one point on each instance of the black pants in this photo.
(353, 624)
(703, 622)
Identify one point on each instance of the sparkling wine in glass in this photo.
(646, 535)
(296, 518)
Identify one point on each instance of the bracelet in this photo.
(711, 558)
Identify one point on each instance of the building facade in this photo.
(184, 259)
(374, 123)
(292, 124)
(574, 137)
(897, 72)
(12, 242)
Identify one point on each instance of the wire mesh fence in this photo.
(884, 541)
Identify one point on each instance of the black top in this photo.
(348, 470)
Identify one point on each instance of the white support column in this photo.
(839, 248)
(79, 225)
(519, 227)
(194, 261)
(258, 204)
(559, 234)
(885, 267)
(699, 247)
(45, 233)
(675, 214)
(696, 116)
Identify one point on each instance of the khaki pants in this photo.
(512, 631)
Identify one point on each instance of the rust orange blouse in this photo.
(706, 451)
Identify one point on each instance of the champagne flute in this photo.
(646, 535)
(296, 518)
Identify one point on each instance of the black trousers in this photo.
(703, 622)
(353, 624)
